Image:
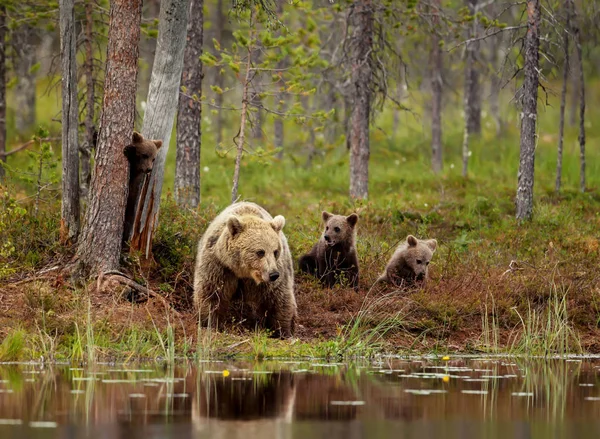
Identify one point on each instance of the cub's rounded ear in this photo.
(234, 225)
(158, 143)
(129, 151)
(352, 219)
(278, 223)
(137, 137)
(326, 215)
(412, 241)
(432, 244)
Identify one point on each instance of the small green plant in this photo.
(13, 346)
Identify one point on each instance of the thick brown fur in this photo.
(333, 258)
(141, 154)
(244, 257)
(409, 263)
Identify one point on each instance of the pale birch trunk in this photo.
(160, 113)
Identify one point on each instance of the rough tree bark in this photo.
(529, 94)
(86, 148)
(160, 113)
(563, 95)
(189, 113)
(69, 222)
(581, 96)
(471, 99)
(2, 89)
(474, 104)
(436, 94)
(25, 88)
(242, 133)
(280, 99)
(100, 245)
(496, 44)
(362, 65)
(255, 99)
(219, 21)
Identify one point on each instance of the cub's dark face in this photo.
(339, 228)
(142, 153)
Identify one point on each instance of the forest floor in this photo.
(495, 285)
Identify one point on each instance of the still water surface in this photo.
(410, 398)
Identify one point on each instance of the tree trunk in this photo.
(563, 95)
(436, 95)
(280, 99)
(471, 89)
(255, 99)
(69, 222)
(100, 244)
(25, 89)
(529, 93)
(362, 66)
(495, 82)
(189, 113)
(2, 89)
(242, 133)
(575, 95)
(577, 34)
(473, 94)
(160, 112)
(86, 148)
(219, 21)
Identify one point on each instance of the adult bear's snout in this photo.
(273, 276)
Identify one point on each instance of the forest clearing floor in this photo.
(521, 289)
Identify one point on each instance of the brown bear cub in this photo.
(333, 258)
(244, 266)
(409, 262)
(141, 154)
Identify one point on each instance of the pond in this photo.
(402, 398)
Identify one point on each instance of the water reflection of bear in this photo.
(245, 405)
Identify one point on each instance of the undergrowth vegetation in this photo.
(495, 285)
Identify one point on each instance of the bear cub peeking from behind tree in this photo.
(333, 258)
(409, 262)
(141, 154)
(244, 266)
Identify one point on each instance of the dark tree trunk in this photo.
(187, 165)
(362, 65)
(219, 21)
(69, 222)
(495, 82)
(2, 89)
(575, 94)
(86, 148)
(436, 95)
(529, 94)
(255, 99)
(160, 113)
(563, 95)
(474, 96)
(25, 89)
(581, 138)
(280, 100)
(100, 244)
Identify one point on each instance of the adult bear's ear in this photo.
(432, 244)
(129, 151)
(158, 143)
(137, 137)
(326, 215)
(278, 223)
(234, 225)
(412, 241)
(352, 219)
